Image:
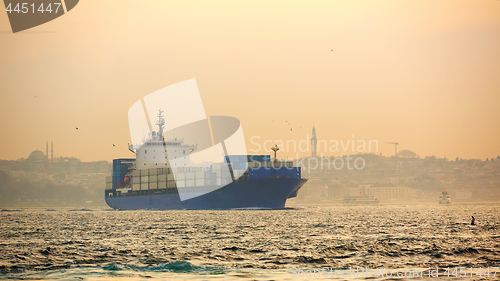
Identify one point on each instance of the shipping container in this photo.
(136, 186)
(190, 182)
(162, 184)
(216, 167)
(136, 180)
(109, 185)
(180, 176)
(153, 185)
(144, 186)
(210, 175)
(162, 178)
(144, 179)
(136, 173)
(200, 175)
(180, 184)
(190, 176)
(171, 184)
(153, 178)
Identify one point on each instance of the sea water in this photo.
(103, 244)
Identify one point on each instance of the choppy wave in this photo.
(41, 244)
(175, 267)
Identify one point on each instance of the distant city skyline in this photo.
(420, 73)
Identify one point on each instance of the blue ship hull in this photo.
(255, 193)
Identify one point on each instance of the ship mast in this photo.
(275, 149)
(160, 123)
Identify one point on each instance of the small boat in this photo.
(444, 198)
(362, 199)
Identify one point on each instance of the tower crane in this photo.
(395, 147)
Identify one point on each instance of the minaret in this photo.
(314, 141)
(51, 151)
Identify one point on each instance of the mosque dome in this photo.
(37, 156)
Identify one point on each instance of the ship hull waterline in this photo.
(255, 193)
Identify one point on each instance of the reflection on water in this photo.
(262, 244)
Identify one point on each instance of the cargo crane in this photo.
(275, 149)
(395, 148)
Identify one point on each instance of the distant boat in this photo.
(362, 199)
(444, 198)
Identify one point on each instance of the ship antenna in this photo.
(160, 122)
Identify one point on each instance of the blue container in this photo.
(254, 158)
(117, 162)
(262, 173)
(233, 159)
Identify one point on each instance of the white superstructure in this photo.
(156, 151)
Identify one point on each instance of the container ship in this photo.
(237, 181)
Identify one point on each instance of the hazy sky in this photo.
(424, 73)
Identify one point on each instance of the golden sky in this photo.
(424, 73)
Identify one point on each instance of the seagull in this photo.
(77, 128)
(113, 145)
(290, 129)
(35, 97)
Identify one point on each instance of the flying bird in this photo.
(77, 128)
(290, 129)
(35, 97)
(113, 145)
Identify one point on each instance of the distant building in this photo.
(38, 162)
(314, 143)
